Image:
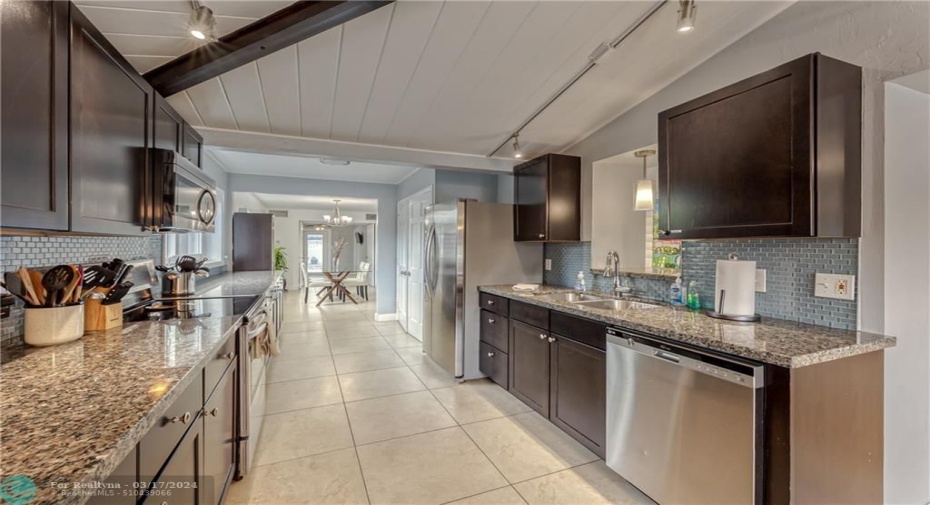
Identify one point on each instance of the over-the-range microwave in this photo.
(183, 197)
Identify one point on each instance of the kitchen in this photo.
(65, 211)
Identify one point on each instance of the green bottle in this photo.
(694, 298)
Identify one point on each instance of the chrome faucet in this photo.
(612, 269)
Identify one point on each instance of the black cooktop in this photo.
(166, 309)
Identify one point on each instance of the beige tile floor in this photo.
(358, 415)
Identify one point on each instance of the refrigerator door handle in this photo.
(428, 257)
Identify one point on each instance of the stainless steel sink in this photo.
(573, 297)
(617, 305)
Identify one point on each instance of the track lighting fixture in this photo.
(202, 22)
(517, 153)
(686, 13)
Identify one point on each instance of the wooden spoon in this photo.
(35, 279)
(26, 279)
(68, 297)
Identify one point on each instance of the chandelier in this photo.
(337, 219)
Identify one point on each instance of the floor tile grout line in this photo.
(358, 459)
(474, 495)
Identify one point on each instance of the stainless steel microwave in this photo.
(183, 197)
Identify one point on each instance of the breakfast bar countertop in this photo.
(773, 341)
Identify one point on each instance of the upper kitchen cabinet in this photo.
(167, 126)
(111, 114)
(775, 155)
(193, 146)
(34, 126)
(547, 199)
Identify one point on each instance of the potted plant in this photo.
(280, 261)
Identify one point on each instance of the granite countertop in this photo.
(238, 283)
(71, 413)
(774, 341)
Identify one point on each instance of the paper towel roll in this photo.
(736, 279)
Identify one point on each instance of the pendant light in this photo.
(337, 219)
(644, 194)
(686, 14)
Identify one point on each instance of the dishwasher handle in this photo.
(741, 373)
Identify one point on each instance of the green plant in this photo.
(280, 258)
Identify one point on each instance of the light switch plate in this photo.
(760, 280)
(548, 264)
(838, 286)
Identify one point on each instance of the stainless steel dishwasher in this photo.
(683, 426)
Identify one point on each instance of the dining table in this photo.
(336, 277)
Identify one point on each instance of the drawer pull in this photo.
(213, 412)
(228, 355)
(490, 354)
(490, 302)
(542, 336)
(186, 418)
(542, 235)
(490, 321)
(551, 340)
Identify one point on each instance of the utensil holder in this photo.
(102, 317)
(44, 326)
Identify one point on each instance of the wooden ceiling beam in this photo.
(281, 29)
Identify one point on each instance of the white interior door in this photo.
(415, 278)
(403, 226)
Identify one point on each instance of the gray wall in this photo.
(386, 194)
(422, 178)
(888, 39)
(452, 185)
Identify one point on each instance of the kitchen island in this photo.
(809, 428)
(72, 413)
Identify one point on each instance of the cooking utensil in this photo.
(117, 293)
(14, 293)
(123, 273)
(163, 268)
(74, 286)
(186, 263)
(202, 272)
(35, 279)
(98, 276)
(29, 290)
(55, 280)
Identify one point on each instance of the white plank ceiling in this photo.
(240, 162)
(454, 76)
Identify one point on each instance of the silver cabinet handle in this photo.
(542, 336)
(542, 235)
(551, 340)
(228, 355)
(490, 321)
(490, 354)
(490, 302)
(213, 412)
(186, 418)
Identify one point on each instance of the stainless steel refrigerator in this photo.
(468, 244)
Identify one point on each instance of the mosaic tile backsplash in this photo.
(790, 266)
(37, 252)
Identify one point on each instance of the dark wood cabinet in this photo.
(219, 428)
(34, 126)
(529, 365)
(578, 402)
(775, 155)
(167, 126)
(192, 145)
(547, 199)
(111, 111)
(182, 478)
(494, 363)
(124, 478)
(158, 444)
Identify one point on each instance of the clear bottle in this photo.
(580, 284)
(694, 299)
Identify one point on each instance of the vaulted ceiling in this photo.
(453, 77)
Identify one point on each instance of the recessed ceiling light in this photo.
(330, 161)
(686, 14)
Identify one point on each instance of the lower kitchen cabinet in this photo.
(219, 428)
(494, 363)
(182, 478)
(121, 485)
(578, 401)
(529, 365)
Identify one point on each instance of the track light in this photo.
(517, 153)
(686, 13)
(202, 22)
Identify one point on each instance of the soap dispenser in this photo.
(580, 284)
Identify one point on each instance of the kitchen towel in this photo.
(735, 293)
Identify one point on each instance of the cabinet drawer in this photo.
(494, 330)
(494, 362)
(530, 314)
(494, 303)
(164, 436)
(216, 367)
(586, 331)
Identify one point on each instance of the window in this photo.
(210, 245)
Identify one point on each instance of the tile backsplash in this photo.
(790, 266)
(38, 252)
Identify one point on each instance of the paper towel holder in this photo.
(755, 318)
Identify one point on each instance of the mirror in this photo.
(617, 226)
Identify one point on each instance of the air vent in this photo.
(279, 213)
(371, 217)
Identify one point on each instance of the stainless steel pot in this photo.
(178, 283)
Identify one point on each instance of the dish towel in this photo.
(525, 287)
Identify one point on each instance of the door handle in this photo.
(667, 356)
(551, 340)
(490, 321)
(542, 336)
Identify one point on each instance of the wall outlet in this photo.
(548, 265)
(841, 287)
(760, 280)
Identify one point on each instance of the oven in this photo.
(183, 197)
(253, 361)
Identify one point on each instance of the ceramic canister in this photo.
(53, 325)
